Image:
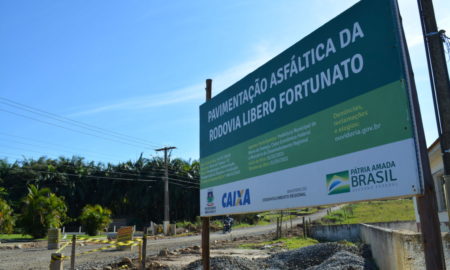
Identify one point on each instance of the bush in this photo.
(7, 219)
(42, 210)
(95, 218)
(247, 218)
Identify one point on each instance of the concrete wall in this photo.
(398, 225)
(443, 217)
(392, 249)
(349, 232)
(388, 247)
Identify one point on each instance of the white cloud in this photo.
(142, 102)
(189, 93)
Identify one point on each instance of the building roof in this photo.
(436, 142)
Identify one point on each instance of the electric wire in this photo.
(66, 120)
(55, 148)
(183, 185)
(73, 130)
(141, 179)
(47, 143)
(183, 179)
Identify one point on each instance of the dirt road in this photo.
(39, 257)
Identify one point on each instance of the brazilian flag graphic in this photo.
(338, 182)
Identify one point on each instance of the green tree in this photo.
(7, 219)
(95, 218)
(42, 210)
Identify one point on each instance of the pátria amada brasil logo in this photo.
(338, 182)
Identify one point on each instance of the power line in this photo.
(93, 176)
(64, 119)
(23, 149)
(183, 185)
(43, 142)
(73, 130)
(145, 179)
(143, 174)
(6, 155)
(55, 148)
(182, 181)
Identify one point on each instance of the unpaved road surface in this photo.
(38, 257)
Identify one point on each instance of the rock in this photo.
(155, 265)
(126, 261)
(107, 268)
(19, 246)
(196, 247)
(185, 251)
(163, 252)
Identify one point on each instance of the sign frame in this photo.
(240, 199)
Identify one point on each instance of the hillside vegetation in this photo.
(373, 211)
(131, 190)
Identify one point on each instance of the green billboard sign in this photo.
(326, 121)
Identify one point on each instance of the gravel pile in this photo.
(229, 263)
(342, 260)
(324, 256)
(306, 257)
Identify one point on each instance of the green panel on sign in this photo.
(351, 55)
(378, 117)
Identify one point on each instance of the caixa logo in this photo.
(236, 198)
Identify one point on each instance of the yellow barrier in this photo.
(100, 241)
(115, 244)
(62, 247)
(56, 259)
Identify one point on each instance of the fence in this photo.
(57, 258)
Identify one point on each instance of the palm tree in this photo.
(42, 210)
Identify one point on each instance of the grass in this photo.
(15, 237)
(264, 218)
(373, 211)
(26, 237)
(288, 243)
(244, 225)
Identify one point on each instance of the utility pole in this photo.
(440, 85)
(166, 188)
(205, 220)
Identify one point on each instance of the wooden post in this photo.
(56, 262)
(205, 243)
(308, 232)
(205, 220)
(53, 238)
(277, 228)
(144, 248)
(303, 227)
(281, 223)
(72, 253)
(140, 253)
(290, 216)
(426, 204)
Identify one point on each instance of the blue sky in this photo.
(138, 68)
